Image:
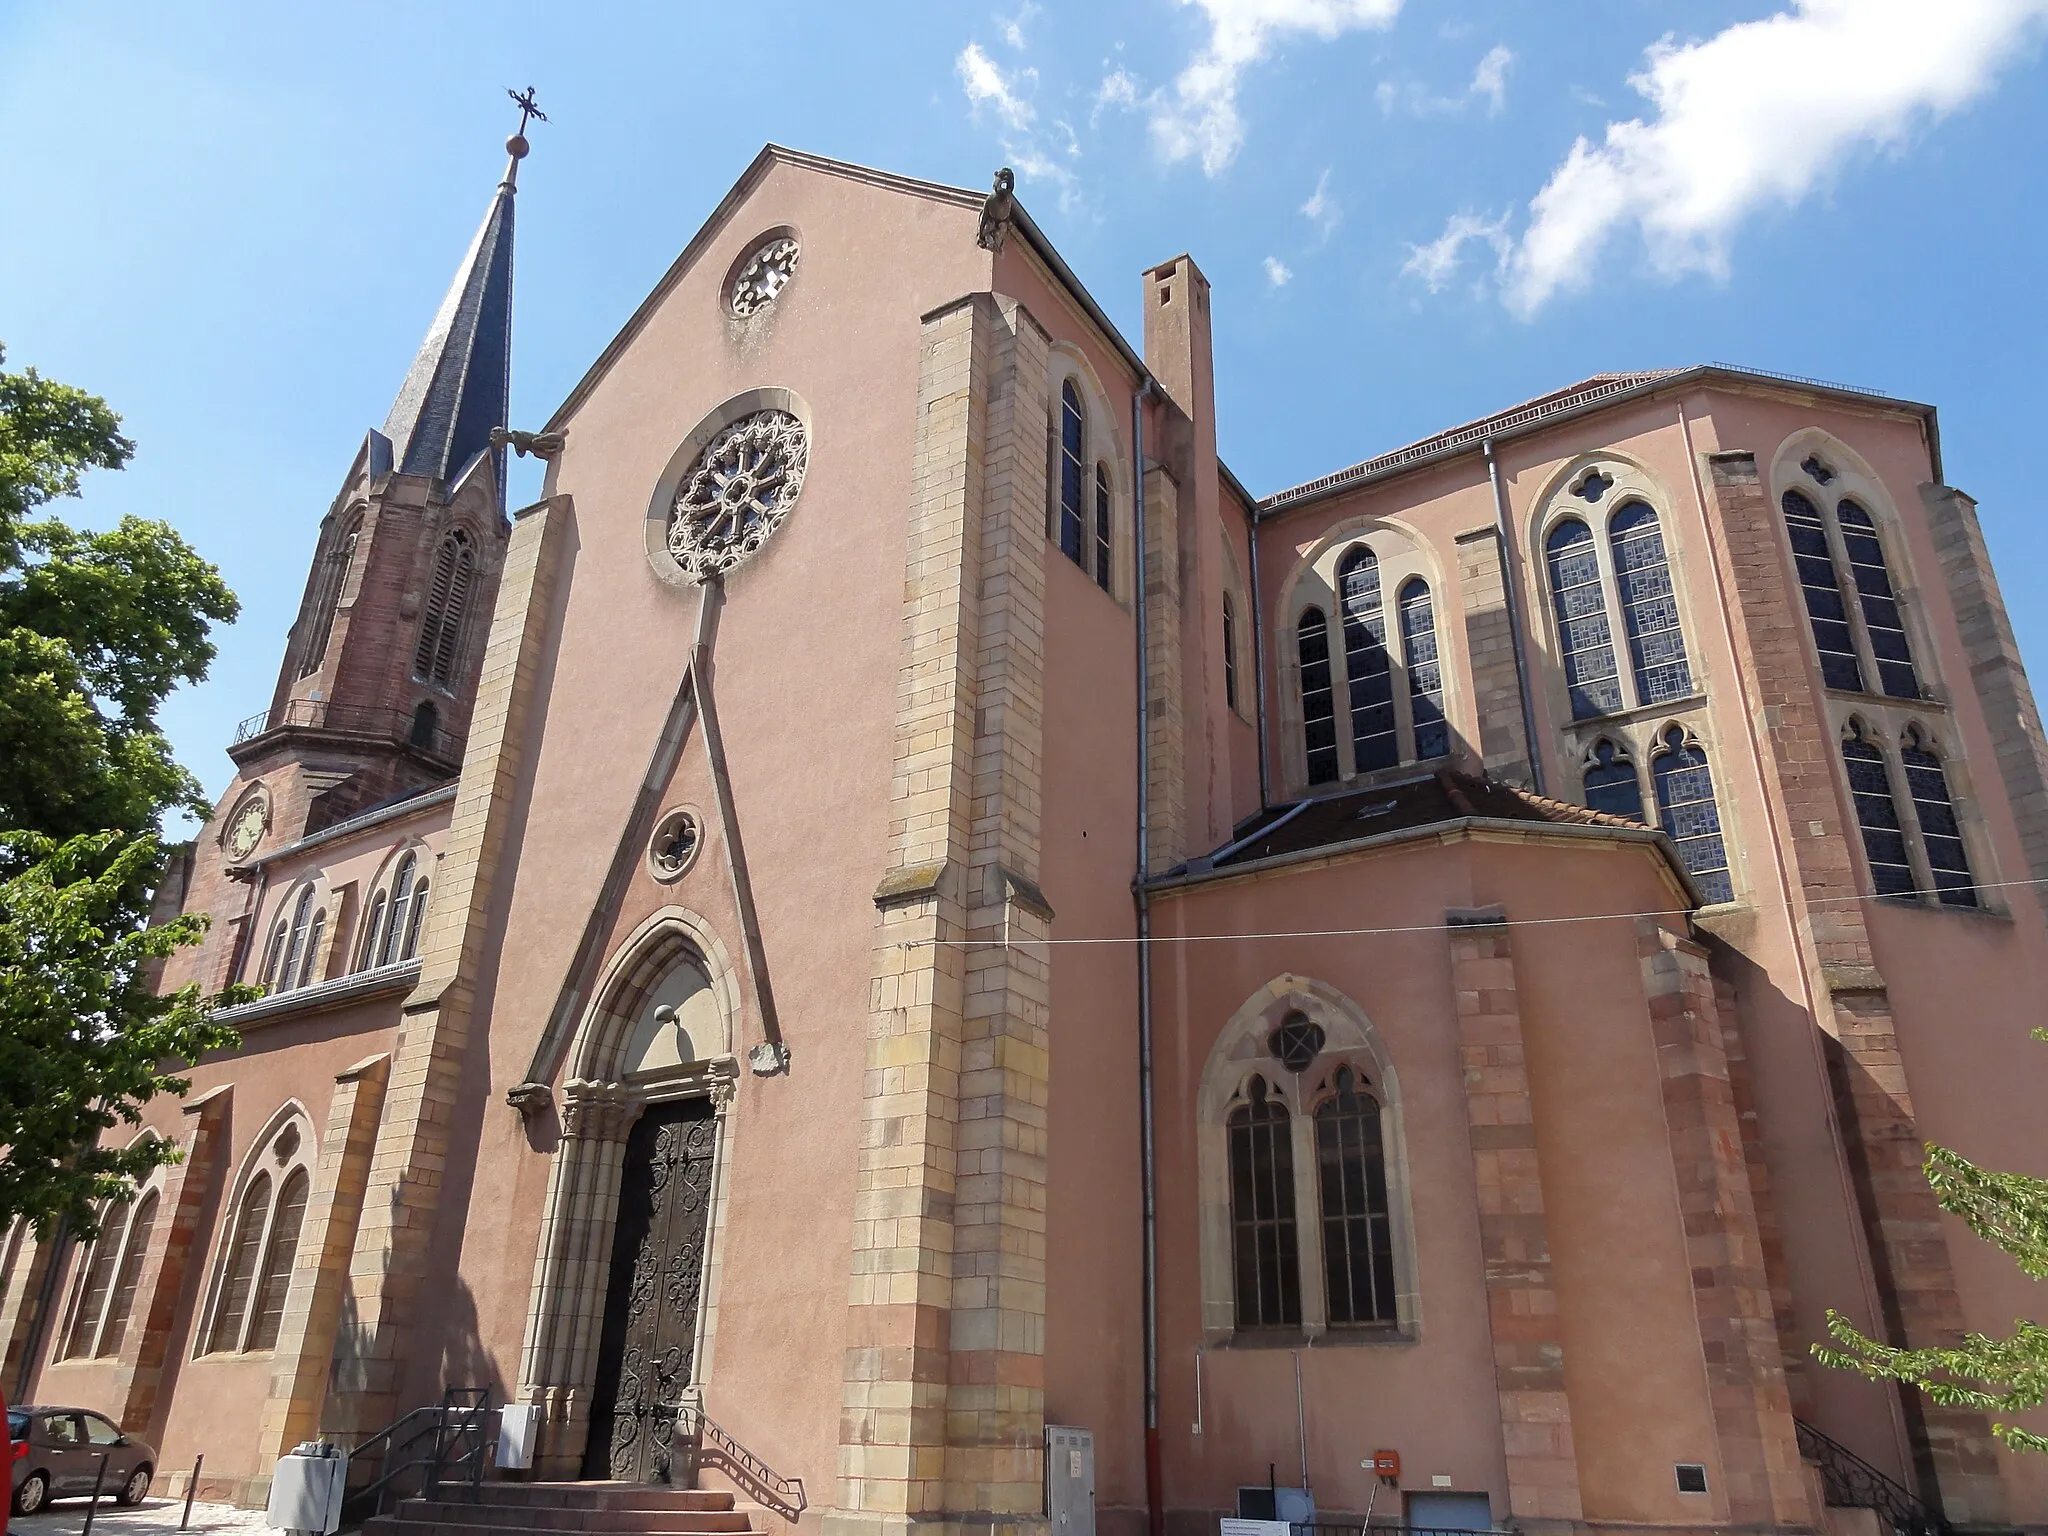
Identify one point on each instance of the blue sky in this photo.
(235, 221)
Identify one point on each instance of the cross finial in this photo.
(527, 107)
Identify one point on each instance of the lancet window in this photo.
(1103, 531)
(1425, 670)
(1626, 589)
(1877, 813)
(1934, 808)
(295, 944)
(1229, 651)
(1912, 837)
(1852, 607)
(1264, 1244)
(1358, 1242)
(1689, 814)
(1611, 782)
(1318, 702)
(1367, 666)
(447, 608)
(327, 598)
(104, 1294)
(1073, 444)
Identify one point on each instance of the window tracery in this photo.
(253, 1270)
(737, 493)
(1839, 554)
(766, 273)
(104, 1293)
(1611, 782)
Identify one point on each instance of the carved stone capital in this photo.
(598, 1111)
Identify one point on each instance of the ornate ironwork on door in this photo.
(657, 1277)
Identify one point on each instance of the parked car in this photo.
(57, 1455)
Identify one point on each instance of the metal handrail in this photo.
(699, 1439)
(402, 1435)
(348, 720)
(1850, 1482)
(460, 1425)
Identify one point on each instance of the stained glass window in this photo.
(1649, 606)
(1590, 674)
(1229, 652)
(1877, 814)
(1881, 620)
(1265, 1254)
(1826, 610)
(1366, 663)
(1071, 473)
(1689, 816)
(1358, 1245)
(1940, 833)
(1318, 704)
(1612, 785)
(1102, 526)
(1425, 670)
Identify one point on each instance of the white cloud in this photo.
(1490, 79)
(1278, 273)
(1321, 209)
(1201, 117)
(1013, 26)
(987, 86)
(1437, 262)
(1119, 90)
(1759, 114)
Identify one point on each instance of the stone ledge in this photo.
(326, 994)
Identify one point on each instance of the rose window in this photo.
(675, 845)
(737, 493)
(766, 273)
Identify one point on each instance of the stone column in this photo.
(1514, 1231)
(173, 1243)
(403, 1200)
(943, 1407)
(1503, 744)
(1752, 1407)
(565, 1313)
(1954, 1453)
(312, 1304)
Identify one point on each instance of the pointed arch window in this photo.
(1265, 1251)
(1591, 677)
(231, 1307)
(1687, 812)
(289, 960)
(1073, 443)
(1229, 652)
(141, 1227)
(447, 608)
(373, 932)
(1318, 703)
(1103, 504)
(1877, 813)
(396, 926)
(416, 920)
(1827, 613)
(1611, 783)
(1649, 605)
(1358, 1239)
(96, 1282)
(1374, 743)
(1425, 670)
(1940, 833)
(314, 934)
(274, 1280)
(426, 726)
(1882, 622)
(334, 571)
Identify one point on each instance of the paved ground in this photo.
(152, 1517)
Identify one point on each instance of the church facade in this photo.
(898, 906)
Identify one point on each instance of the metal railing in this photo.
(1341, 1527)
(352, 720)
(427, 1442)
(1850, 1482)
(700, 1442)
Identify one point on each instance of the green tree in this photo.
(96, 629)
(1998, 1376)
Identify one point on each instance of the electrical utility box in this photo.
(1069, 1480)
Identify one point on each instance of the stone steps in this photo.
(569, 1509)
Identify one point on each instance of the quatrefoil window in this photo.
(675, 845)
(1817, 467)
(1297, 1042)
(766, 273)
(737, 493)
(1594, 486)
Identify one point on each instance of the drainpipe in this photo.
(1155, 1504)
(1507, 586)
(1258, 658)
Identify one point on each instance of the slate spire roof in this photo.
(460, 384)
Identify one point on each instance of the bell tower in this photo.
(379, 672)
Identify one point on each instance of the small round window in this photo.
(675, 845)
(763, 275)
(1297, 1042)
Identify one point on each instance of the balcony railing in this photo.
(354, 720)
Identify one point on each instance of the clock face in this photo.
(246, 830)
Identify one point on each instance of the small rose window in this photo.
(766, 273)
(675, 845)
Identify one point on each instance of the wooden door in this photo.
(645, 1354)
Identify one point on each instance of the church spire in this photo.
(459, 387)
